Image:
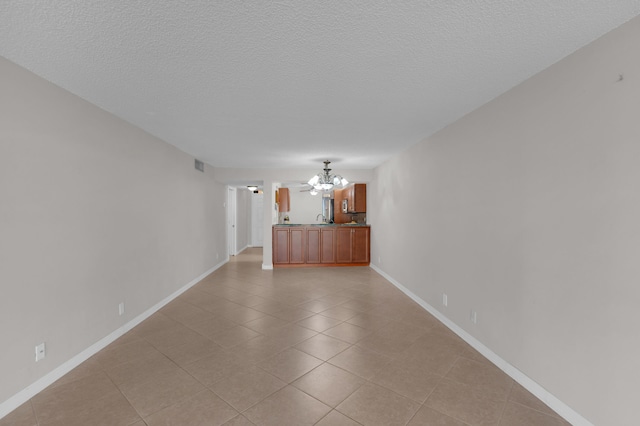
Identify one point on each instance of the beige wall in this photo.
(528, 211)
(305, 207)
(93, 212)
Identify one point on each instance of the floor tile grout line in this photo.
(124, 396)
(552, 415)
(424, 403)
(33, 410)
(249, 279)
(504, 405)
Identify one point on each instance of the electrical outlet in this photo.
(121, 308)
(444, 299)
(217, 256)
(379, 260)
(473, 317)
(40, 352)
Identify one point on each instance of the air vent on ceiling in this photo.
(199, 165)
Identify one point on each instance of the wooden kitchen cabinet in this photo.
(358, 198)
(313, 245)
(353, 244)
(356, 195)
(280, 245)
(329, 245)
(320, 245)
(343, 245)
(360, 245)
(297, 245)
(283, 200)
(289, 245)
(338, 215)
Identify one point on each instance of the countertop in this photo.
(322, 224)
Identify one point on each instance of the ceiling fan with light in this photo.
(325, 181)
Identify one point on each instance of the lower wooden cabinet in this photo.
(289, 245)
(297, 245)
(313, 245)
(280, 245)
(327, 245)
(344, 249)
(320, 245)
(360, 245)
(353, 244)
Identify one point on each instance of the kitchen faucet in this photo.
(323, 218)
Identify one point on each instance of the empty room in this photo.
(319, 213)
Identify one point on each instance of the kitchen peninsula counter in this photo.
(321, 244)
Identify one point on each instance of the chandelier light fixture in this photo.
(325, 181)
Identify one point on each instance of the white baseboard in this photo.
(541, 393)
(33, 389)
(268, 267)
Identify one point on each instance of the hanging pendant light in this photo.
(325, 181)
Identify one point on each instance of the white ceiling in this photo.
(289, 83)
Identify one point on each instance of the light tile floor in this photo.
(322, 346)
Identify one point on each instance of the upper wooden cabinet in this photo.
(283, 200)
(356, 196)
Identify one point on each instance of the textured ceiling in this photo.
(289, 83)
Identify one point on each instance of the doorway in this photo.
(257, 220)
(231, 220)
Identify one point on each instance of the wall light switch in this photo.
(40, 352)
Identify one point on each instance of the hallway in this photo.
(314, 346)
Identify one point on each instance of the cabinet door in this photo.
(296, 245)
(350, 199)
(338, 215)
(343, 245)
(280, 245)
(327, 245)
(360, 197)
(283, 200)
(360, 245)
(313, 245)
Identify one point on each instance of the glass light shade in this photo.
(326, 181)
